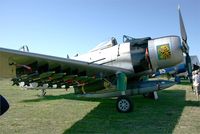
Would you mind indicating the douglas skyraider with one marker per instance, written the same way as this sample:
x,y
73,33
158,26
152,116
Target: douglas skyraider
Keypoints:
x,y
108,70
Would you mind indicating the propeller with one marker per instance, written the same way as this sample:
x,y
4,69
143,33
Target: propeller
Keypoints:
x,y
185,45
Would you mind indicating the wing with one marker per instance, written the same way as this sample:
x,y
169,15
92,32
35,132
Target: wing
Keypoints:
x,y
13,60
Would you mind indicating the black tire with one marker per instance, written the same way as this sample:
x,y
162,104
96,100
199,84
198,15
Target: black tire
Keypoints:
x,y
145,95
149,95
124,104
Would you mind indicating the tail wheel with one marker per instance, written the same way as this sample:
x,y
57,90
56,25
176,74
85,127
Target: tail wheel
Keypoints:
x,y
124,104
43,93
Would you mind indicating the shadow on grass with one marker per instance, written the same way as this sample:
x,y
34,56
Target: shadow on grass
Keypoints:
x,y
193,103
184,82
149,116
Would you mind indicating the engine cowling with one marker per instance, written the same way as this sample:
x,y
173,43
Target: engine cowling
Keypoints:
x,y
165,52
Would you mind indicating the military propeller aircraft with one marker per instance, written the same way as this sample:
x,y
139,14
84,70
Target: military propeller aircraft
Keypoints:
x,y
109,70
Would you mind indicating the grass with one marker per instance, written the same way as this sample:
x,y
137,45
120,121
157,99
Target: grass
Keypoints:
x,y
176,111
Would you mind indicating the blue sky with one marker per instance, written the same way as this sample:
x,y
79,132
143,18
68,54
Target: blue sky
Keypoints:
x,y
61,27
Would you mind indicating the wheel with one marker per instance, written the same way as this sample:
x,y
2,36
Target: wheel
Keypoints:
x,y
149,95
43,93
124,104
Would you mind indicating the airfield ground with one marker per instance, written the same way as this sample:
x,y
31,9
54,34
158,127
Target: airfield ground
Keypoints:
x,y
177,111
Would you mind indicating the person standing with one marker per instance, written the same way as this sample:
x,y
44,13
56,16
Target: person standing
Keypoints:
x,y
196,83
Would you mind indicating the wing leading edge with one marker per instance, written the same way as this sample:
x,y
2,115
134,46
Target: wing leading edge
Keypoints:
x,y
9,57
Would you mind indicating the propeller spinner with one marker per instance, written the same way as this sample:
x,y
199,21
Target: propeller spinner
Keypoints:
x,y
185,45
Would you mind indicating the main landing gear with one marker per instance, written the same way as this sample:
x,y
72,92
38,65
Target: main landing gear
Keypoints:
x,y
124,104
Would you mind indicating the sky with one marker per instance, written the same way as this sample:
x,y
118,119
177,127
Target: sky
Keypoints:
x,y
68,27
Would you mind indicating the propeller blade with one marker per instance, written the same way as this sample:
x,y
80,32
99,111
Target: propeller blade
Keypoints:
x,y
183,31
185,45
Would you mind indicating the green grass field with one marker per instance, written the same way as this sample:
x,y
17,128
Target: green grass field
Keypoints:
x,y
176,111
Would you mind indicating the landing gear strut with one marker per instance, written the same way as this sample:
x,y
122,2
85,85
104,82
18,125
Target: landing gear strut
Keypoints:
x,y
151,95
124,104
43,93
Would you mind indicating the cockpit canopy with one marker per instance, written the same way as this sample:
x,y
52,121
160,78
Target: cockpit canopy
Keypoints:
x,y
113,42
105,44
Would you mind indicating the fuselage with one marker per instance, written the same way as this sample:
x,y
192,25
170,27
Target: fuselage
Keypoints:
x,y
141,56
